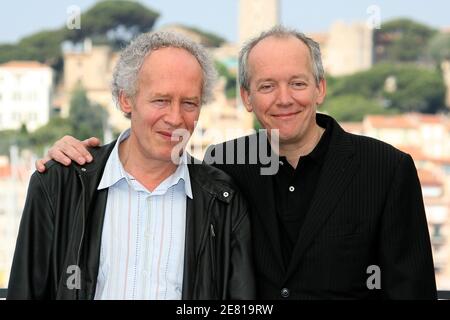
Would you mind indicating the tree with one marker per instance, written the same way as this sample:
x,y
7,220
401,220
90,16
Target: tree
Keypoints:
x,y
230,84
210,39
439,47
402,40
47,135
109,22
352,107
86,119
417,88
117,21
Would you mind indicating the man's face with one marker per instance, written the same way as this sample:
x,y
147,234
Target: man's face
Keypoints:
x,y
168,98
283,93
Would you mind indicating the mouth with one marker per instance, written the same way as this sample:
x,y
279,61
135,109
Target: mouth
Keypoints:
x,y
167,135
285,116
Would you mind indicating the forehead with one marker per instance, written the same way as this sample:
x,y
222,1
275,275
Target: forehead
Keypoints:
x,y
171,68
171,58
277,54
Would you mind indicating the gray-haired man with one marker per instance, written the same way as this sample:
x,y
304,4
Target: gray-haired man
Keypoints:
x,y
134,224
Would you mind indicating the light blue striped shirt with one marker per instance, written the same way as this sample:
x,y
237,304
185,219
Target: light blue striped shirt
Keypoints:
x,y
142,248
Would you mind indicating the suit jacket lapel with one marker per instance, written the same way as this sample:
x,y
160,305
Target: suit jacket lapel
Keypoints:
x,y
338,170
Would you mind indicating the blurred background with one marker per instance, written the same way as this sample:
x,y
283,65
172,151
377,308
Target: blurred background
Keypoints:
x,y
387,65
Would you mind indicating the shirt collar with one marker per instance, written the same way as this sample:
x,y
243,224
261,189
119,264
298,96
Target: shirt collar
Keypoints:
x,y
114,171
318,153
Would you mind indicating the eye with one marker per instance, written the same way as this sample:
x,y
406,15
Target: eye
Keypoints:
x,y
266,87
190,105
298,84
160,102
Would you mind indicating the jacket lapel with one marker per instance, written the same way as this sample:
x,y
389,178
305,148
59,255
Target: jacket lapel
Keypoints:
x,y
337,172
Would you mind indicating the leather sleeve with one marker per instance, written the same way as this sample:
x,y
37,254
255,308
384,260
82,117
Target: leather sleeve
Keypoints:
x,y
242,279
30,272
407,270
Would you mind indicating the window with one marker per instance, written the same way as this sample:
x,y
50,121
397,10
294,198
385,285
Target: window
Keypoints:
x,y
32,116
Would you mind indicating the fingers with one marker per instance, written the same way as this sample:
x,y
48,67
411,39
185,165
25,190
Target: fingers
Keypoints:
x,y
63,157
68,148
40,164
91,142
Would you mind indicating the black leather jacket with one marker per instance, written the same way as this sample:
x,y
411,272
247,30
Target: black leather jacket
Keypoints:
x,y
62,224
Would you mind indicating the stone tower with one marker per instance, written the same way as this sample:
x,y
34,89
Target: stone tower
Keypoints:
x,y
256,16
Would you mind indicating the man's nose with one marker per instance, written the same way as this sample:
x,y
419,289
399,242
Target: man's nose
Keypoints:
x,y
173,116
284,96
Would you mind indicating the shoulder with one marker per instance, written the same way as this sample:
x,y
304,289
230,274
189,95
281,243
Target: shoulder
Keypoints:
x,y
368,147
58,174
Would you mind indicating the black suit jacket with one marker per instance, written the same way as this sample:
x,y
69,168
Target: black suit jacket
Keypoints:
x,y
367,211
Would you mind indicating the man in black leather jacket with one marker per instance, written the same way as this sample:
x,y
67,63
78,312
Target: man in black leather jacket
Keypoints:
x,y
61,247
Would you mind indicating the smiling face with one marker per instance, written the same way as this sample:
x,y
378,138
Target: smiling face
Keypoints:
x,y
283,93
168,98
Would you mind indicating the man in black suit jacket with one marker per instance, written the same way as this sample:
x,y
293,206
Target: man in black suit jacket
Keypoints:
x,y
343,216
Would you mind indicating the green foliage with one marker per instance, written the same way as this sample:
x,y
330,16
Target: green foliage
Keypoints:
x,y
439,47
230,84
47,45
10,52
86,118
47,135
107,22
211,39
13,137
121,20
352,107
418,89
403,40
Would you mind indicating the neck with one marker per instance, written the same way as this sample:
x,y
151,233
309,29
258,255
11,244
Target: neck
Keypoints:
x,y
148,171
293,151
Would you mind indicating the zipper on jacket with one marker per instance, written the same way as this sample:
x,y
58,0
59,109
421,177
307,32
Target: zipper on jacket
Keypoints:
x,y
213,259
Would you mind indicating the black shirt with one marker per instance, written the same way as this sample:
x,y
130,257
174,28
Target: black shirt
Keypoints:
x,y
294,189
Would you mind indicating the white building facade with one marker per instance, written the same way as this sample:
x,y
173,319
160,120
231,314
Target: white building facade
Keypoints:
x,y
25,94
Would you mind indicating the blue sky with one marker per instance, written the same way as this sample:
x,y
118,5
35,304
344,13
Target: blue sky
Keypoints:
x,y
22,17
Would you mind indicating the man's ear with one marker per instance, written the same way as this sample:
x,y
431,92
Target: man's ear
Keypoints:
x,y
322,91
245,96
125,103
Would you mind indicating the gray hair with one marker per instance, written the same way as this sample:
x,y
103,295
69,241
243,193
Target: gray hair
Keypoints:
x,y
126,72
279,32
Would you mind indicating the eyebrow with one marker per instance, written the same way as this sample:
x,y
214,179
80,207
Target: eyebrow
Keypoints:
x,y
168,96
191,98
297,76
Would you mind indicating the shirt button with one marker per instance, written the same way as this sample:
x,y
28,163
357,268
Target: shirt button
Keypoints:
x,y
226,194
291,188
281,162
285,292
